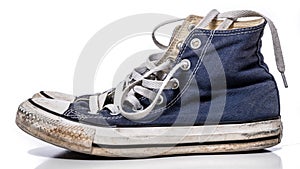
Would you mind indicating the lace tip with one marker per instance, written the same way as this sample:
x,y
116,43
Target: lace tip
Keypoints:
x,y
284,80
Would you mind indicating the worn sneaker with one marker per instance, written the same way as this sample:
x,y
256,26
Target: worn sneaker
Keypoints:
x,y
209,91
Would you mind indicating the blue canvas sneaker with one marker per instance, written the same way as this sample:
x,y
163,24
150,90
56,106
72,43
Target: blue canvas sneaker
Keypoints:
x,y
209,91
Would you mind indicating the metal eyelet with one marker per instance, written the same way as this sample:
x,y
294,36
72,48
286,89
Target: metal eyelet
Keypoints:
x,y
160,100
195,43
179,45
175,83
186,64
191,27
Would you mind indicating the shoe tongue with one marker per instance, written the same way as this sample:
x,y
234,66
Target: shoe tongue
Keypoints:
x,y
179,36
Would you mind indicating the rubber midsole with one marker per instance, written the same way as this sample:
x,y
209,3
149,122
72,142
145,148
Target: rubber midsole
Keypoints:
x,y
190,134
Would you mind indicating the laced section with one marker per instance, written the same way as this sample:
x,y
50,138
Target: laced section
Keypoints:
x,y
152,77
148,80
144,80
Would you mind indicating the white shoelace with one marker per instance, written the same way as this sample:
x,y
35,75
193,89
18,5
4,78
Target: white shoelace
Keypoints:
x,y
151,88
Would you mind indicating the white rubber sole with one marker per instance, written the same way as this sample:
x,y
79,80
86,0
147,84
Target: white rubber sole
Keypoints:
x,y
147,141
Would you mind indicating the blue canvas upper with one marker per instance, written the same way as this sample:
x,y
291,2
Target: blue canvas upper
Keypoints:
x,y
228,82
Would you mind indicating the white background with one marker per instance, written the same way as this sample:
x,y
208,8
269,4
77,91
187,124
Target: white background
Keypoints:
x,y
40,42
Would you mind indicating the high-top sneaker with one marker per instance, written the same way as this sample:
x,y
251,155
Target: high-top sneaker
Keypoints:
x,y
209,91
